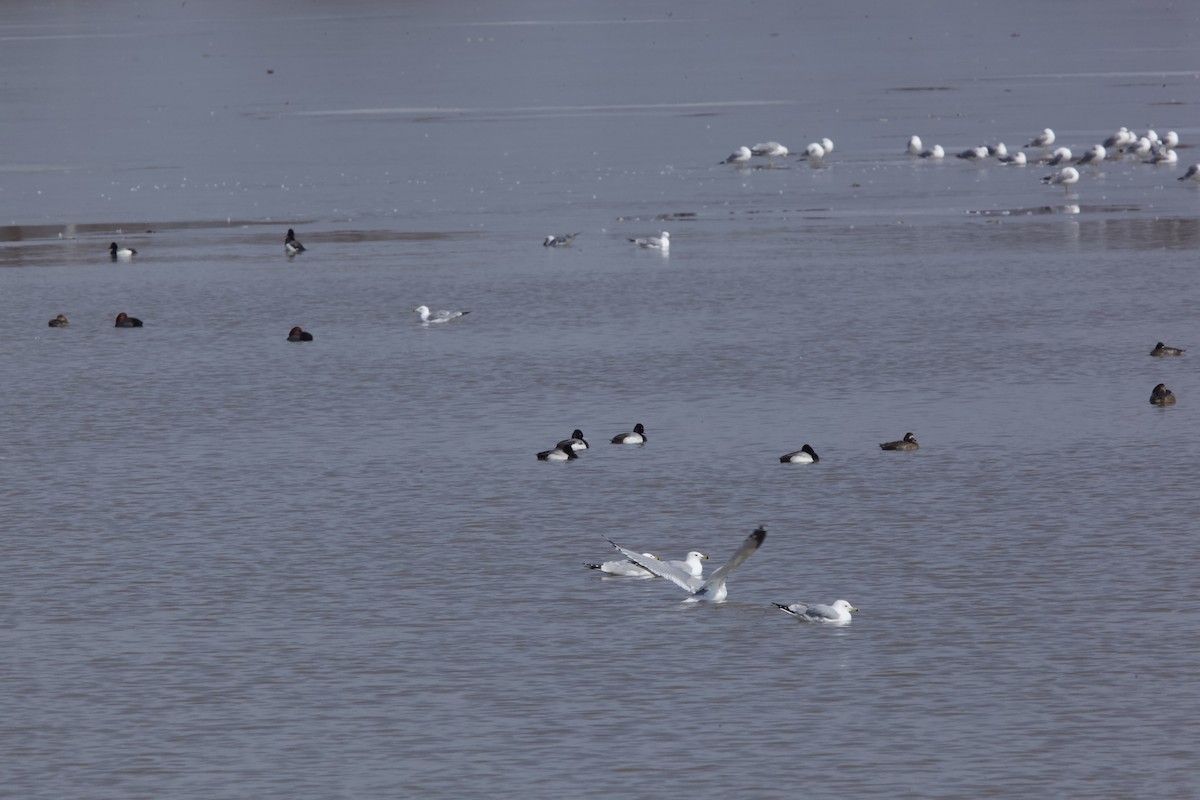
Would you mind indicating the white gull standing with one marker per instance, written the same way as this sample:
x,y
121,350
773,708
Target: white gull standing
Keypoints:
x,y
739,156
1094,155
914,146
1067,177
1043,139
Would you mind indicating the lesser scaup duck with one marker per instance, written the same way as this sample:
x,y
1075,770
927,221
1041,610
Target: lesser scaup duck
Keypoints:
x,y
660,242
836,614
429,317
59,322
805,455
909,442
291,245
560,241
298,334
576,442
126,321
1161,349
557,454
637,437
1162,396
713,588
120,252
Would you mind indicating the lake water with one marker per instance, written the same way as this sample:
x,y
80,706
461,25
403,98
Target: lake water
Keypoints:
x,y
237,567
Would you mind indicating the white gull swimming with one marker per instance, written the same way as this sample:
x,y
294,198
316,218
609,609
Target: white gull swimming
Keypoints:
x,y
660,242
836,614
429,317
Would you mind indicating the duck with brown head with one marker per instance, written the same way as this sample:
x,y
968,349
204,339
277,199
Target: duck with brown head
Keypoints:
x,y
298,334
126,321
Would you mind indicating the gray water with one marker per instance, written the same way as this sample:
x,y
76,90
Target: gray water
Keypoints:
x,y
237,567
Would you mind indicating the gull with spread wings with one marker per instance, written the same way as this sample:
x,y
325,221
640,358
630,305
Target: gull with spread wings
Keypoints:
x,y
711,589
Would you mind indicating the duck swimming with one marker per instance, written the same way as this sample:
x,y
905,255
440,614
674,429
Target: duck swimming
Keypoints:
x,y
805,455
1161,349
291,245
637,437
298,334
1162,396
121,252
559,453
59,322
126,321
576,442
909,442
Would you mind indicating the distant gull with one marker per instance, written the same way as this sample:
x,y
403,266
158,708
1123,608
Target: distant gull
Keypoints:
x,y
934,152
429,317
1192,174
660,242
637,437
1171,140
771,150
1141,147
1067,177
559,453
1165,156
290,245
827,144
909,442
1161,349
1094,155
713,588
1043,139
914,146
739,156
1059,156
1016,159
1162,396
560,241
123,253
1152,136
805,455
974,154
1122,137
836,614
813,152
1000,150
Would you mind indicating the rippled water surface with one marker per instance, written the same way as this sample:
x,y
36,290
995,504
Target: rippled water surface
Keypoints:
x,y
239,567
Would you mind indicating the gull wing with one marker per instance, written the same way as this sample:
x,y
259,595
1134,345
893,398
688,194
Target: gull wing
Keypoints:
x,y
662,569
717,579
